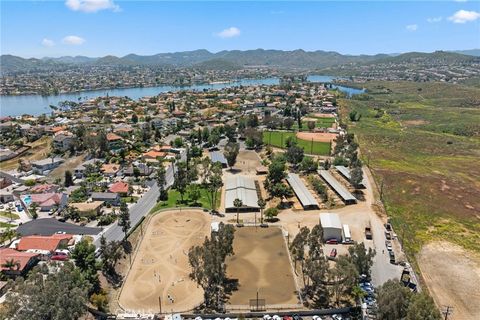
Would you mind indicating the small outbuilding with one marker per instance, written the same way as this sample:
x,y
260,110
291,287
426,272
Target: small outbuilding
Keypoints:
x,y
332,227
303,194
217,156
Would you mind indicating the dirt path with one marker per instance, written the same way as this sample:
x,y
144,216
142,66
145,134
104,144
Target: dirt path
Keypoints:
x,y
452,276
161,266
316,136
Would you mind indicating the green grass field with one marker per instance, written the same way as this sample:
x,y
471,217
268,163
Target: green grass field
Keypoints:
x,y
174,200
423,142
9,215
278,139
320,123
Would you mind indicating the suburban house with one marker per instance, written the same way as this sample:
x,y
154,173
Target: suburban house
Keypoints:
x,y
45,165
107,197
88,209
44,188
114,141
63,140
49,201
6,195
119,187
44,243
23,261
143,170
110,169
80,170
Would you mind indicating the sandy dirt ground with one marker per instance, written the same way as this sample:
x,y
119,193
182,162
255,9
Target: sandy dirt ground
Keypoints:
x,y
324,115
319,137
39,150
70,164
161,267
261,263
247,162
453,278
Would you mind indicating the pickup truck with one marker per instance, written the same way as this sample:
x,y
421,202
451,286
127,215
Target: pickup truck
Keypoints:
x,y
368,233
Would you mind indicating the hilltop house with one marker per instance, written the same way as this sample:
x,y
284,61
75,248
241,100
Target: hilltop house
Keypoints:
x,y
63,140
49,201
23,261
44,166
119,187
115,142
107,197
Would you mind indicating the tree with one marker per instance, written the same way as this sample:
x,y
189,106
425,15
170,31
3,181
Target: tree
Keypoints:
x,y
161,183
315,242
308,165
297,248
134,118
68,179
194,193
60,295
343,278
84,255
181,180
178,142
11,264
311,125
231,152
281,191
356,177
33,210
208,265
422,307
124,219
261,204
294,155
271,213
392,300
276,172
110,253
237,203
288,123
361,258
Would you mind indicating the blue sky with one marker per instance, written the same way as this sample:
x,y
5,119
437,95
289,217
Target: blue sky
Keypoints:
x,y
100,27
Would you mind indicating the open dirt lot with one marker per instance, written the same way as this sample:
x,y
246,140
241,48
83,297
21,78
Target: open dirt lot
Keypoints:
x,y
453,278
318,137
261,263
247,161
161,268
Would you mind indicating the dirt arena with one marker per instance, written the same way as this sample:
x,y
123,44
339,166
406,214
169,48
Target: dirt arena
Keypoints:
x,y
316,136
247,161
261,262
161,265
453,278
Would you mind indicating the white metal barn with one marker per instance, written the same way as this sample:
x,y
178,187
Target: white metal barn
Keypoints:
x,y
332,227
243,188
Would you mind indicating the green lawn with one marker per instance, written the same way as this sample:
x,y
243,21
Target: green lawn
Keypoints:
x,y
9,215
320,123
174,200
278,138
130,199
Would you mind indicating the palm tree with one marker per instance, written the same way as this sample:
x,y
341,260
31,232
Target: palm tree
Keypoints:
x,y
11,264
238,204
261,203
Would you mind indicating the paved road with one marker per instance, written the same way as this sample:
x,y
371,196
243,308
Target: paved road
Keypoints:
x,y
137,211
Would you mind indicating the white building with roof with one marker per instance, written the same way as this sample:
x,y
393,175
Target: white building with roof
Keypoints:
x,y
332,226
243,188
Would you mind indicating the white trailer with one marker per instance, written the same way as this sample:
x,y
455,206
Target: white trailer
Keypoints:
x,y
347,237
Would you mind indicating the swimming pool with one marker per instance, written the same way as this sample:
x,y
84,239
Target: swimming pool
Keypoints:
x,y
27,200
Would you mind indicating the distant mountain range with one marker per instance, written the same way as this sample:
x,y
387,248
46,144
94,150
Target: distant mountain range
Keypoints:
x,y
233,59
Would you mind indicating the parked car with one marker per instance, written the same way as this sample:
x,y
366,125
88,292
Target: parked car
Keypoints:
x,y
287,318
267,317
60,255
368,233
388,226
392,256
333,253
388,244
296,317
337,317
316,318
332,241
388,235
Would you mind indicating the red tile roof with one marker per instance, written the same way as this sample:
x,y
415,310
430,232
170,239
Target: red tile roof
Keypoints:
x,y
113,137
49,243
119,187
22,258
46,199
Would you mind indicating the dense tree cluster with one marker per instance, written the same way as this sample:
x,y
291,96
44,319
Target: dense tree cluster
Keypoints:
x,y
209,267
346,154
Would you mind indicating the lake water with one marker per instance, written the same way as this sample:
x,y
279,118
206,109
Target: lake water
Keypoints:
x,y
37,104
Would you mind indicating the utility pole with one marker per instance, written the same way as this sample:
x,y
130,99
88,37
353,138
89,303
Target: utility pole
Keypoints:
x,y
448,312
160,304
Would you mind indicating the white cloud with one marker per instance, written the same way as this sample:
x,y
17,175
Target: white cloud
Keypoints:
x,y
90,6
73,40
47,42
463,16
434,19
229,33
412,27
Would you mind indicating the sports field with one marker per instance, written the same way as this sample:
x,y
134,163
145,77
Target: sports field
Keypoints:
x,y
261,263
161,268
319,122
278,139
